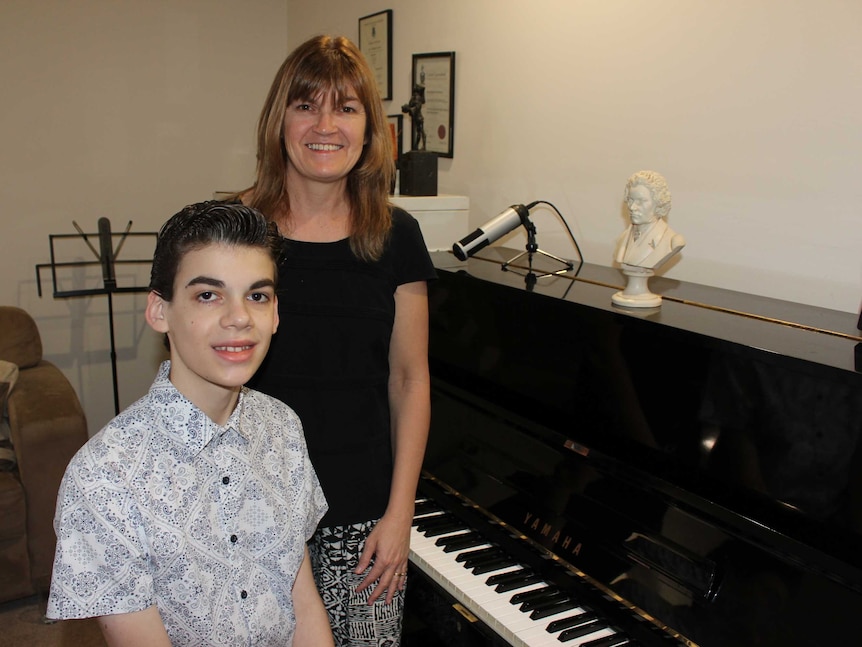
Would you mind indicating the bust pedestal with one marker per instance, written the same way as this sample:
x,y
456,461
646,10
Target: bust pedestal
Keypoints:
x,y
637,294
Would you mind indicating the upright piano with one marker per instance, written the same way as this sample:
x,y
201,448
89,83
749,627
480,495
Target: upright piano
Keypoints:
x,y
684,475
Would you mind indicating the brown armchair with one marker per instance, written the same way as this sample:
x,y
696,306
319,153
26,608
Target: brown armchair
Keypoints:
x,y
47,426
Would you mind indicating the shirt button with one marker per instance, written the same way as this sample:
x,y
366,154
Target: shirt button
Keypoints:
x,y
233,539
243,594
225,479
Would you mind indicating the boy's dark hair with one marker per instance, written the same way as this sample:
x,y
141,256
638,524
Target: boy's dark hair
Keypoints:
x,y
208,223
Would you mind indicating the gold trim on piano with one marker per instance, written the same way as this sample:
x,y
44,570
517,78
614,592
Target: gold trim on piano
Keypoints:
x,y
706,306
469,617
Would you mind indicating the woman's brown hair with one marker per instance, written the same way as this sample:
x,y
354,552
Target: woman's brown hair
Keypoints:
x,y
329,64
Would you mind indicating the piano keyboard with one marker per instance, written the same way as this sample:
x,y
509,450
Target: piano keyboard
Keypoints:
x,y
522,607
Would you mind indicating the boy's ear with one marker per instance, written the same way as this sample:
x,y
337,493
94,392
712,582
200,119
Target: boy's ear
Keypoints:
x,y
275,315
155,312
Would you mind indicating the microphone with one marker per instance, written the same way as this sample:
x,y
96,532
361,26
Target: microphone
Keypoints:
x,y
492,230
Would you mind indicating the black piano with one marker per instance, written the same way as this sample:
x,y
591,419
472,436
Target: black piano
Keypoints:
x,y
683,475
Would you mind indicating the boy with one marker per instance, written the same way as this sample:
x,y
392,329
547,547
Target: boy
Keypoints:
x,y
184,521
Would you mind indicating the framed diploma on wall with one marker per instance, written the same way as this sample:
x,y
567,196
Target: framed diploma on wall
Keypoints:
x,y
396,128
375,43
436,72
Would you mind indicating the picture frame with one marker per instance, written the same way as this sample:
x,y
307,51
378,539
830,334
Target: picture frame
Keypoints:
x,y
436,71
396,130
375,43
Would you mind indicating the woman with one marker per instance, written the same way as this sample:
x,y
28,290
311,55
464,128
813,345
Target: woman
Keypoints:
x,y
351,356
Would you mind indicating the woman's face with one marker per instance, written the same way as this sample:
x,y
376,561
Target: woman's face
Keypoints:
x,y
323,140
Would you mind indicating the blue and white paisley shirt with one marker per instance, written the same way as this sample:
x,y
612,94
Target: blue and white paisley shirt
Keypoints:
x,y
165,507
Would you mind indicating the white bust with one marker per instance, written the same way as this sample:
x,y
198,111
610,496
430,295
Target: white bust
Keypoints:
x,y
648,242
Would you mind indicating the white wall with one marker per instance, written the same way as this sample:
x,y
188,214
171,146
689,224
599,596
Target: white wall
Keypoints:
x,y
125,110
130,110
751,110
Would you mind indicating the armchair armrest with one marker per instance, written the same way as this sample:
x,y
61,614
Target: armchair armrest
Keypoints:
x,y
47,427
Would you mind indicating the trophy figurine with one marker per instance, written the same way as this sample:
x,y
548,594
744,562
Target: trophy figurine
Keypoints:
x,y
648,242
418,166
414,109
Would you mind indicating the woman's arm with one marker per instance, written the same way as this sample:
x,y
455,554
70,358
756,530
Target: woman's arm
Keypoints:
x,y
410,412
312,623
138,629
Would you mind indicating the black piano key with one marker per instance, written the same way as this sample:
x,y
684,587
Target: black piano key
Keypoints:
x,y
553,609
444,529
609,641
434,522
504,578
580,632
460,542
421,520
434,519
536,603
482,557
521,577
572,621
455,548
518,598
481,553
425,507
470,554
513,585
493,565
470,535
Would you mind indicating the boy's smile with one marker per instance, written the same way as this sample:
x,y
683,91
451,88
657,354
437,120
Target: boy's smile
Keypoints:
x,y
219,322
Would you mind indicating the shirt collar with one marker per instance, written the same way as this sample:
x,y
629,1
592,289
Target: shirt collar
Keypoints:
x,y
185,421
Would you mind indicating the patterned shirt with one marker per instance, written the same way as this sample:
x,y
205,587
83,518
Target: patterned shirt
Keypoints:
x,y
165,507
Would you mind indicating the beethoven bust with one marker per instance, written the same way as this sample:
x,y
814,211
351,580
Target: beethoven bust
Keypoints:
x,y
648,241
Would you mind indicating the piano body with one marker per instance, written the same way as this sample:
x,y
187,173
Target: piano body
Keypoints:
x,y
690,474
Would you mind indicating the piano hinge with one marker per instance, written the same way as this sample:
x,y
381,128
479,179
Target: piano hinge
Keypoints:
x,y
469,617
576,447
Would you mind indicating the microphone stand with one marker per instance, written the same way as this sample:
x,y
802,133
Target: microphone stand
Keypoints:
x,y
533,248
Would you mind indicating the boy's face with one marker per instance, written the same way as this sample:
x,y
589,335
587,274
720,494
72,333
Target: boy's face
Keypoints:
x,y
221,319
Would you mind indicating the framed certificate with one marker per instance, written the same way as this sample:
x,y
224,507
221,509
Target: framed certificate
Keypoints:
x,y
436,72
375,43
396,130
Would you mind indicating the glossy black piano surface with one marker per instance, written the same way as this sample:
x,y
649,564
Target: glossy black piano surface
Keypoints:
x,y
701,460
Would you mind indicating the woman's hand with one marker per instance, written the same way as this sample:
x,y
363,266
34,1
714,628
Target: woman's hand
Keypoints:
x,y
388,546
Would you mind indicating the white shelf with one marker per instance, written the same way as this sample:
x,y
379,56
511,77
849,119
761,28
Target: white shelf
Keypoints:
x,y
443,219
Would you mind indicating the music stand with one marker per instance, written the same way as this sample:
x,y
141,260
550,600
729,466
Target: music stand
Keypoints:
x,y
106,256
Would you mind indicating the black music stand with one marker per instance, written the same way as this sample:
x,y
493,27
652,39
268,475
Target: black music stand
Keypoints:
x,y
106,256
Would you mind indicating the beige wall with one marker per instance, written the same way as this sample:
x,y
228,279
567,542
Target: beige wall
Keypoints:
x,y
752,110
126,110
129,110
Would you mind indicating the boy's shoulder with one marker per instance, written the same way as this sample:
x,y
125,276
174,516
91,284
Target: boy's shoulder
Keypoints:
x,y
260,401
270,420
128,429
